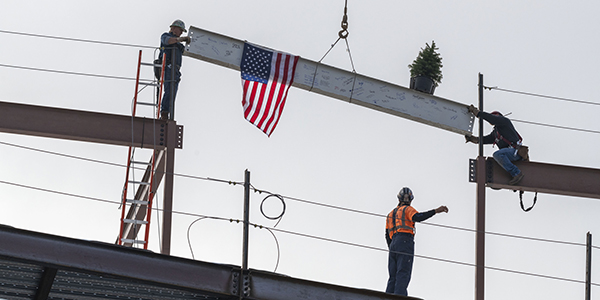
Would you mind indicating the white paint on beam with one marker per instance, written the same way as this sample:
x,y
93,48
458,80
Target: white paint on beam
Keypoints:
x,y
344,85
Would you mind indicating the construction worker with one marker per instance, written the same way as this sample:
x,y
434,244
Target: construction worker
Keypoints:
x,y
506,137
170,45
399,234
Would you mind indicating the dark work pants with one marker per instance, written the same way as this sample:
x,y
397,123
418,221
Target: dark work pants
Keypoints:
x,y
400,263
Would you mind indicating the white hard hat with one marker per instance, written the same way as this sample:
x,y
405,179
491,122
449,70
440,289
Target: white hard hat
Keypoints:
x,y
180,24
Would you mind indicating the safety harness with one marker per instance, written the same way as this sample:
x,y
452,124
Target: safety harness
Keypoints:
x,y
403,225
515,145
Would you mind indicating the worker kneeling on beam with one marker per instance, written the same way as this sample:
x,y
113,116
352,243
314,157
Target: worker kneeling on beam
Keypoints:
x,y
399,234
508,140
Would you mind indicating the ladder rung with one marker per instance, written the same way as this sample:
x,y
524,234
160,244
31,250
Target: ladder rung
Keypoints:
x,y
149,83
139,182
149,64
143,202
146,103
141,163
138,222
133,241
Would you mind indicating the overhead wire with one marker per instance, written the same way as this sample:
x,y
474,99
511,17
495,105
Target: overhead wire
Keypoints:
x,y
230,182
291,198
431,258
67,72
540,95
76,40
556,126
343,34
307,235
548,97
117,164
426,223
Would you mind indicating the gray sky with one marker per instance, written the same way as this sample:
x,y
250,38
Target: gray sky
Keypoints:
x,y
323,150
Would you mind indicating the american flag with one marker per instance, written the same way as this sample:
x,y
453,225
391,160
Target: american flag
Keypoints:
x,y
266,78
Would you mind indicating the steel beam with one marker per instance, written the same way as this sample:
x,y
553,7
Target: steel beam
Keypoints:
x,y
271,286
108,259
84,126
546,178
343,85
144,266
45,284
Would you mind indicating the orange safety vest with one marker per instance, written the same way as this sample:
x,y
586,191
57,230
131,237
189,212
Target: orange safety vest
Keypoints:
x,y
400,220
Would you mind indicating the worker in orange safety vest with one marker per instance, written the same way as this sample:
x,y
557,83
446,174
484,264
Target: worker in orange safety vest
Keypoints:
x,y
399,234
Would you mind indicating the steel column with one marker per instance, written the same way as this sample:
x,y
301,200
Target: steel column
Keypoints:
x,y
480,236
246,219
168,188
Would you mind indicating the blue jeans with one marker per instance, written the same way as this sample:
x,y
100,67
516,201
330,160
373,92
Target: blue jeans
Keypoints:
x,y
400,263
168,86
505,157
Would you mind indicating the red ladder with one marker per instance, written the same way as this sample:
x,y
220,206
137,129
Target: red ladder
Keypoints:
x,y
140,206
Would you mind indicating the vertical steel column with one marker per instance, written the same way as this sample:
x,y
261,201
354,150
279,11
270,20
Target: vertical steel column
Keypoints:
x,y
168,188
246,219
588,267
480,238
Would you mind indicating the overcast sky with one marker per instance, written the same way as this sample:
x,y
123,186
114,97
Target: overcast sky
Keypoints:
x,y
324,150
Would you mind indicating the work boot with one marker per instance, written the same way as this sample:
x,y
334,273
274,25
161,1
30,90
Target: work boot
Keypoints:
x,y
164,115
516,179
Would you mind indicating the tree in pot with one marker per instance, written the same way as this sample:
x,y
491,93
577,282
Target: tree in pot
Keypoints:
x,y
426,69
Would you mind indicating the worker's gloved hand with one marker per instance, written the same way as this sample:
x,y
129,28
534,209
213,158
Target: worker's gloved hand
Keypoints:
x,y
472,109
184,39
441,209
472,139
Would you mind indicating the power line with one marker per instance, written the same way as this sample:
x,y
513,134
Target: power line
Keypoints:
x,y
66,72
76,40
542,96
428,257
298,199
556,126
427,223
118,165
306,235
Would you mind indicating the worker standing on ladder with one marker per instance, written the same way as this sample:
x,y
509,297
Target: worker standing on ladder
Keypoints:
x,y
508,140
399,234
170,45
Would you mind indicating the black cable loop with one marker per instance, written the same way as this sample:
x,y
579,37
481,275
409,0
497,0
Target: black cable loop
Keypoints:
x,y
280,216
521,201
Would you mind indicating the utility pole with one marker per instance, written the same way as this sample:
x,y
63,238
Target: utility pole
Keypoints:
x,y
588,267
244,286
480,238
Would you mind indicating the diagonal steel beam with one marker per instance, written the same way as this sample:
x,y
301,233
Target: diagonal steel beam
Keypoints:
x,y
138,211
343,85
84,126
46,283
544,178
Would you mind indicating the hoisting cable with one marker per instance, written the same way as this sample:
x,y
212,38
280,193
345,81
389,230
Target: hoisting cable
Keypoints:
x,y
521,201
342,34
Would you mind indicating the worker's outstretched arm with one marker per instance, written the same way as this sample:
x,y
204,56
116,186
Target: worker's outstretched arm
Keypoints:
x,y
420,217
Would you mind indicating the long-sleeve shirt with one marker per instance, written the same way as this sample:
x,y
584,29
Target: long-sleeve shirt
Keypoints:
x,y
503,126
418,217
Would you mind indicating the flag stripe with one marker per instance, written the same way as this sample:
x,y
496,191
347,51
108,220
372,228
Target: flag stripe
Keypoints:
x,y
281,93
